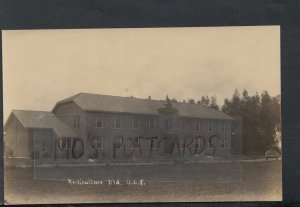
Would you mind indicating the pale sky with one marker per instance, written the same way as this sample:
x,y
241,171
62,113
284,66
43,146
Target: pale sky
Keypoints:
x,y
41,67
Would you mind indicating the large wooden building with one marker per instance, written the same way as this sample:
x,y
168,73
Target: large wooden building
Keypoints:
x,y
112,128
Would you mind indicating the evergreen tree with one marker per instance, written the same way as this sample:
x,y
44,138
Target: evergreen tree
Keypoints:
x,y
204,100
173,100
191,101
260,115
213,103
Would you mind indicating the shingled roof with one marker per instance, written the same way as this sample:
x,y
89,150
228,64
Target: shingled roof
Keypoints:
x,y
43,120
107,103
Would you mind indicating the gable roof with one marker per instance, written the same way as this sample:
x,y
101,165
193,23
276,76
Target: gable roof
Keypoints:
x,y
106,103
43,120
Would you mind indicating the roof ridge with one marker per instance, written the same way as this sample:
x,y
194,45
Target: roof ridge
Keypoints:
x,y
180,102
29,119
13,110
93,101
70,98
97,94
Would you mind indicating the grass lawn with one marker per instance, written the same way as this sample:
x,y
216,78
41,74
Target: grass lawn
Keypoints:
x,y
245,181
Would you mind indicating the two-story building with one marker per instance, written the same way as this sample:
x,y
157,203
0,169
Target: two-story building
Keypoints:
x,y
107,128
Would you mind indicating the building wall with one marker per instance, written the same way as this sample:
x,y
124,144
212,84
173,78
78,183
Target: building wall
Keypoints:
x,y
168,142
176,135
17,139
67,113
44,141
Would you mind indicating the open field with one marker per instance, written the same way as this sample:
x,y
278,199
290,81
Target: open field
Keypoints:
x,y
259,181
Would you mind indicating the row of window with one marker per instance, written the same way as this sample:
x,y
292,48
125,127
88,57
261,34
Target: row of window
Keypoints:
x,y
98,143
118,123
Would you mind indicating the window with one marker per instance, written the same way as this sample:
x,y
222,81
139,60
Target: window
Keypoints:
x,y
135,143
198,126
183,125
118,123
65,143
222,126
152,144
210,143
99,142
198,144
43,146
151,124
168,123
118,141
98,123
76,121
210,126
182,144
222,143
135,124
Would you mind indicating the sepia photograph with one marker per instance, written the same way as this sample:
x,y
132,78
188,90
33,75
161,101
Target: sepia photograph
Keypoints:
x,y
139,115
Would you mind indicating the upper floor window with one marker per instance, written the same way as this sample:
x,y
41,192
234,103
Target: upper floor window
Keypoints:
x,y
76,121
168,123
151,124
135,124
99,142
210,126
98,122
198,126
183,125
118,123
222,126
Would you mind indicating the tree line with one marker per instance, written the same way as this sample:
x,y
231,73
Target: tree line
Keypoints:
x,y
260,114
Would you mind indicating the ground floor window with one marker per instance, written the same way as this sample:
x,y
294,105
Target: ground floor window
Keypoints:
x,y
135,143
99,142
199,143
118,141
152,144
210,143
223,143
182,143
65,143
43,146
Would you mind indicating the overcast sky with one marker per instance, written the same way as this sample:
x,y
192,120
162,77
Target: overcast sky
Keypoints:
x,y
41,67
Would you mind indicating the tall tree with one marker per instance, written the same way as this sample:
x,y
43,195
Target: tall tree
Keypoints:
x,y
260,115
213,103
191,101
173,100
210,102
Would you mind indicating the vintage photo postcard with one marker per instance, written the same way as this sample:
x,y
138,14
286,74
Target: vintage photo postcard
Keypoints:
x,y
142,115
